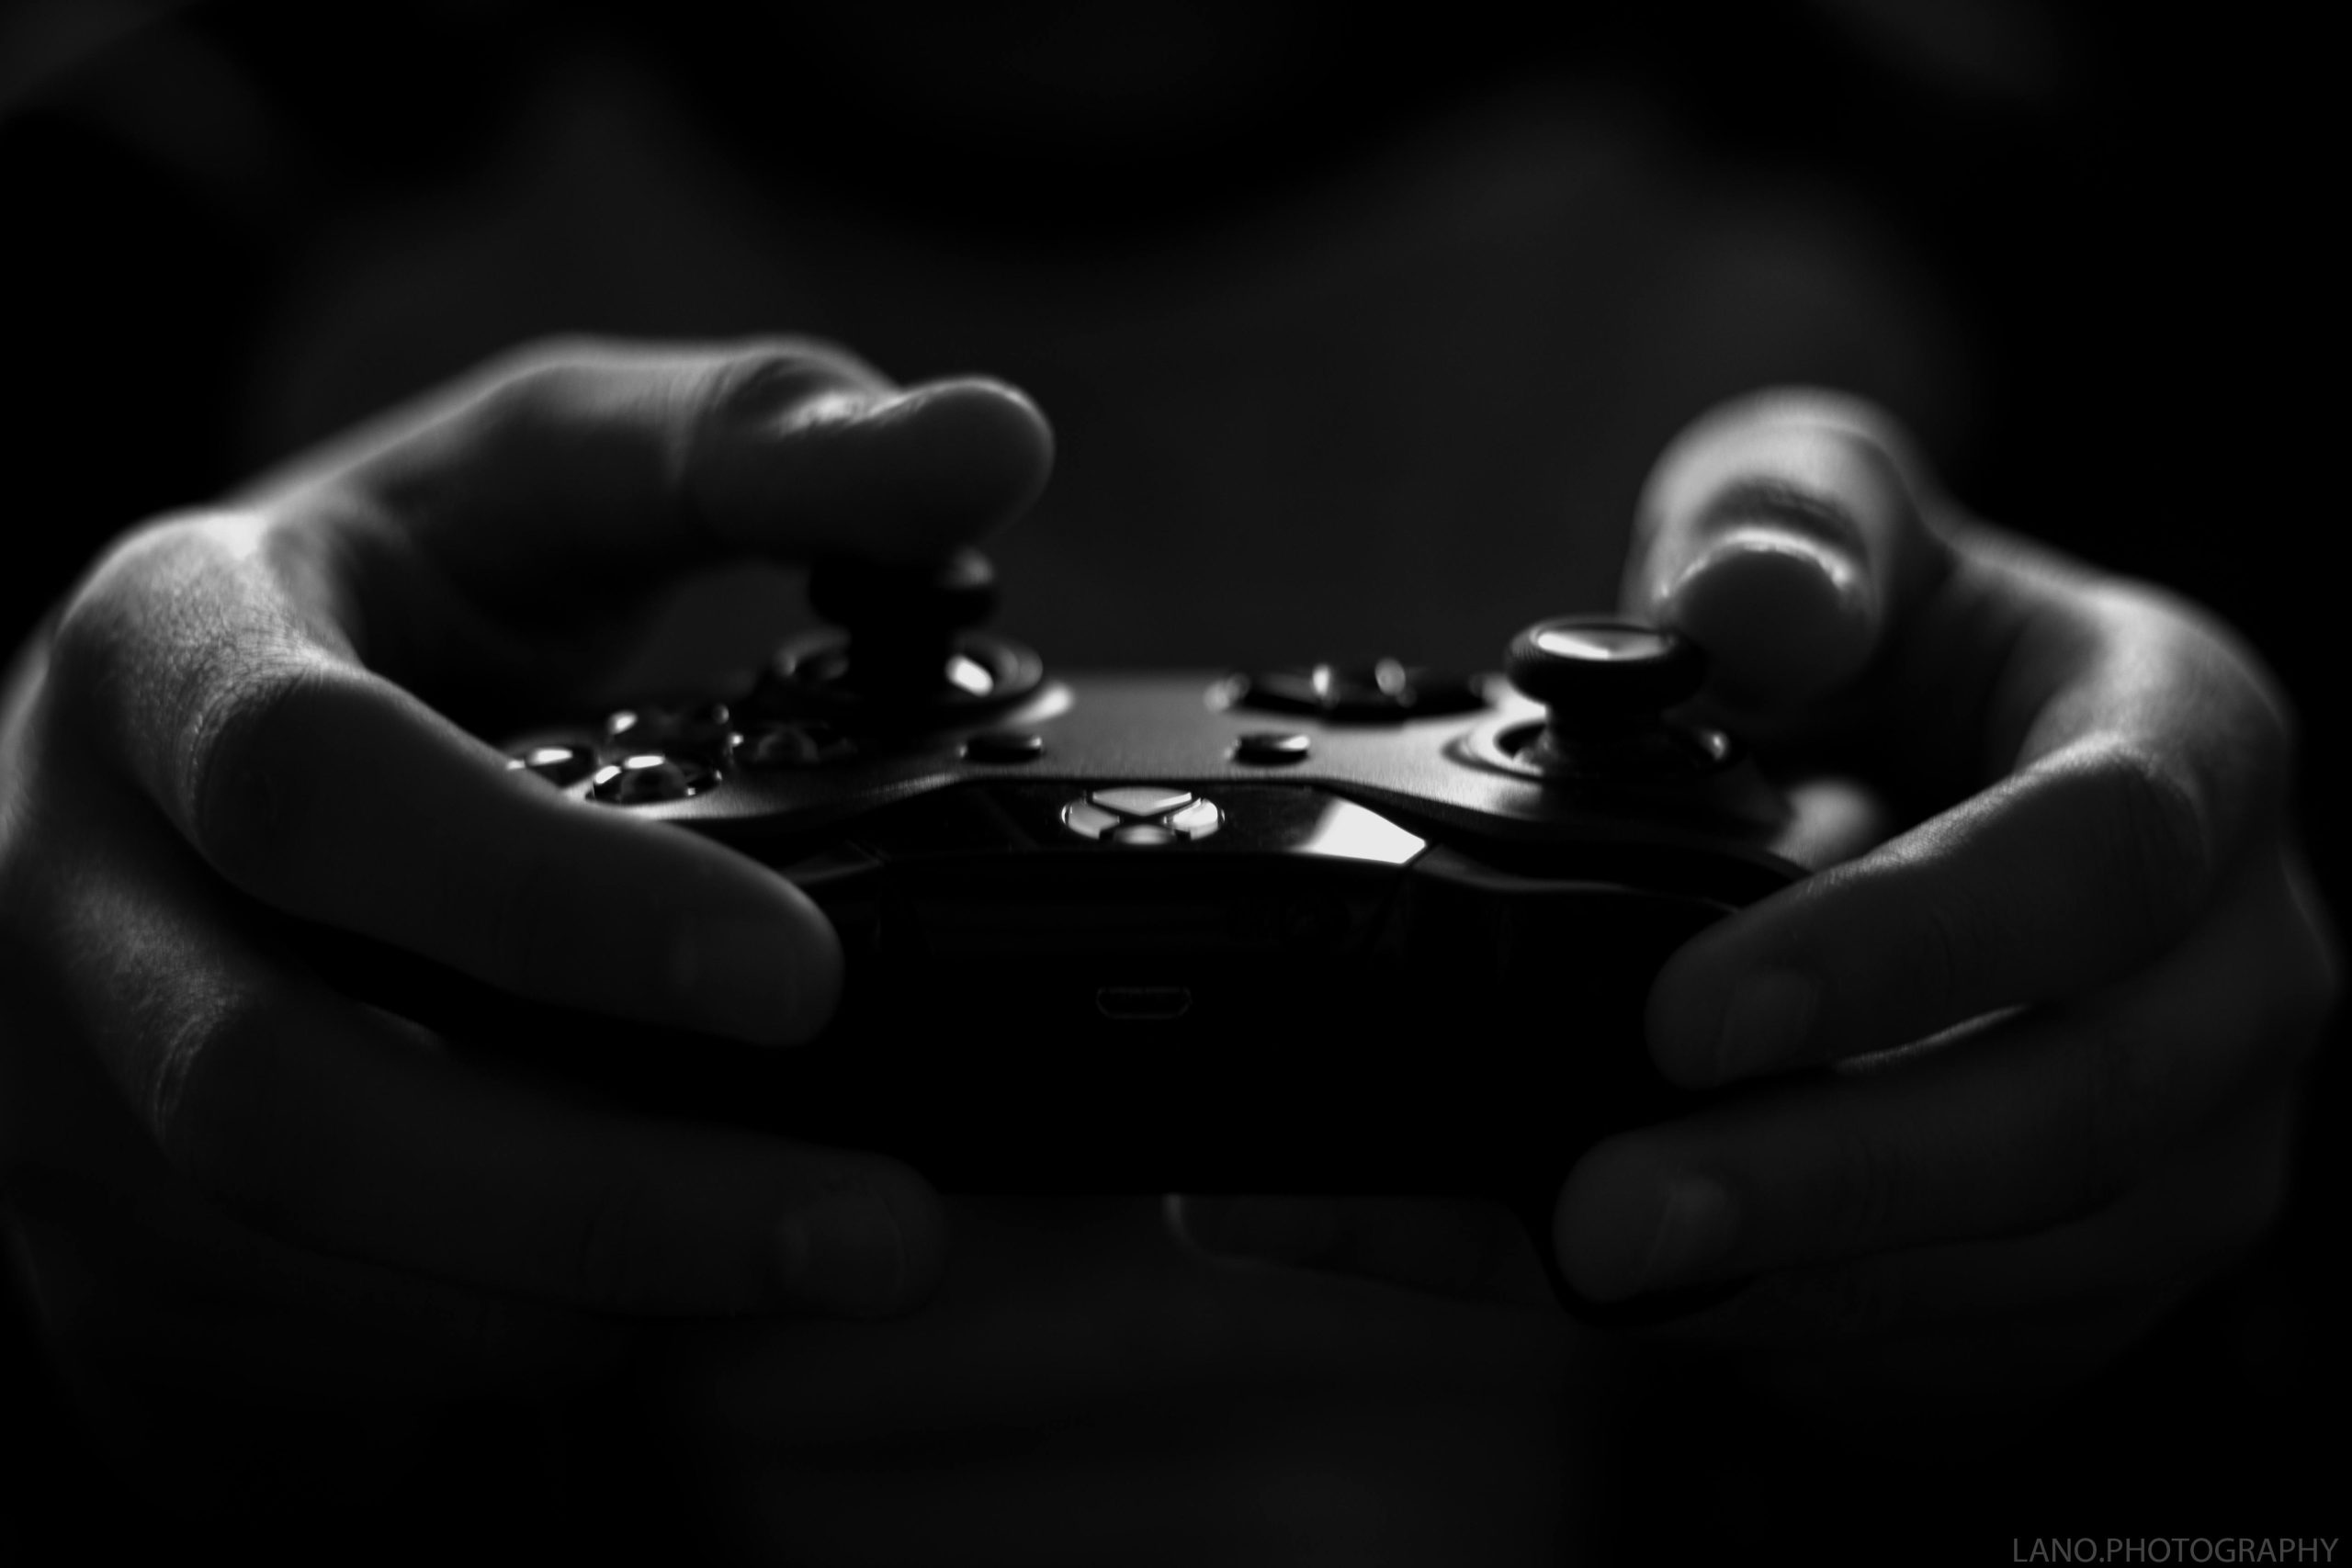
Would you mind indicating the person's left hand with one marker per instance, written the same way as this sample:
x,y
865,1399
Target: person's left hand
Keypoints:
x,y
2016,1078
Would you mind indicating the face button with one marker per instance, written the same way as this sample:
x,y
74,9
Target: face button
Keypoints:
x,y
770,745
1142,833
1089,820
1005,746
1197,821
1141,801
560,765
650,778
1272,748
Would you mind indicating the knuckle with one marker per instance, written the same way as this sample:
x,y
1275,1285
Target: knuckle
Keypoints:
x,y
524,387
549,362
2154,836
525,396
196,680
114,604
774,376
533,405
248,786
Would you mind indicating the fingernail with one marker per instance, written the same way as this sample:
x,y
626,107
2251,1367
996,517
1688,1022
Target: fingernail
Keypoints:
x,y
1695,1225
735,979
1764,1023
842,1253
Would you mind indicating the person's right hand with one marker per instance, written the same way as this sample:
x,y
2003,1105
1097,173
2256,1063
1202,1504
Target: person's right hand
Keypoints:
x,y
231,1181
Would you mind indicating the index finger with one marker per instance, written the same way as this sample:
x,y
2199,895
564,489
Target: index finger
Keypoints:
x,y
242,667
599,457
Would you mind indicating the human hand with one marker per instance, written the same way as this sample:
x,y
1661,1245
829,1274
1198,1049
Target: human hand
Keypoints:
x,y
2009,1082
231,1181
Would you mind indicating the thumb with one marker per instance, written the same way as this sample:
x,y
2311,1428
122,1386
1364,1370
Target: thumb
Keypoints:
x,y
608,462
1785,534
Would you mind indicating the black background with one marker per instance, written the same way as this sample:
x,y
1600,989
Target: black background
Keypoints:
x,y
2138,255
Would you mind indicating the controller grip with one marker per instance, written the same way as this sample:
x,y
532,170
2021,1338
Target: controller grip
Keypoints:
x,y
1373,1079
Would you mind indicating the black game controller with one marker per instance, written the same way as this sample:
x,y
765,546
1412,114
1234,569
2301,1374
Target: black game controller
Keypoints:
x,y
1340,929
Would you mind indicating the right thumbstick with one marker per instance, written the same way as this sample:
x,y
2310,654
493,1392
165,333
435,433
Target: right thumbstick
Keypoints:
x,y
1599,677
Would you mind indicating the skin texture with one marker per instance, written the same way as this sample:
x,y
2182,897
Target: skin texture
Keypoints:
x,y
2008,1083
2033,1076
234,709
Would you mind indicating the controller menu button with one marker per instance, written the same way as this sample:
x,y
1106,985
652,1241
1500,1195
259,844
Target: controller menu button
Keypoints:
x,y
1005,746
1197,821
650,778
560,765
1272,748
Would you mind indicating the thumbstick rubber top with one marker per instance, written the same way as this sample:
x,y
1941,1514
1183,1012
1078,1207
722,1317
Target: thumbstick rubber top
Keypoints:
x,y
1587,668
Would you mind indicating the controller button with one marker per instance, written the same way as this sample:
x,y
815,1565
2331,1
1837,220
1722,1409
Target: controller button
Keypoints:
x,y
1608,644
1272,748
768,745
700,730
1143,833
1005,746
1143,801
1089,820
649,778
560,765
1197,821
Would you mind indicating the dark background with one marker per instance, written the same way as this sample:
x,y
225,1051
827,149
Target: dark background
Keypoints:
x,y
2123,205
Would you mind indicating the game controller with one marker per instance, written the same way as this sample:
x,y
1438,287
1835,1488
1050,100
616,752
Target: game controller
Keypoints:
x,y
1361,929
